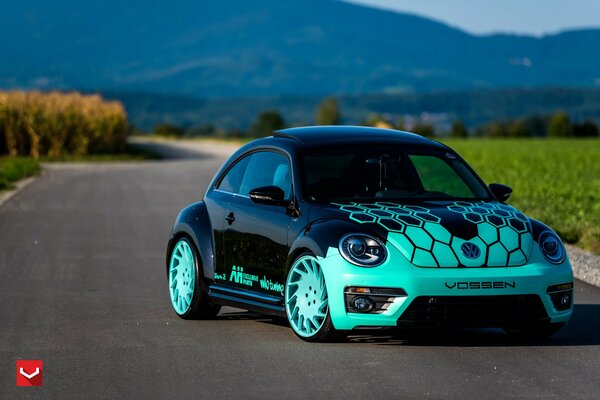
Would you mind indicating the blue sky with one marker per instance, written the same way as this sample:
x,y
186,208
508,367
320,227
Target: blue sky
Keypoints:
x,y
535,17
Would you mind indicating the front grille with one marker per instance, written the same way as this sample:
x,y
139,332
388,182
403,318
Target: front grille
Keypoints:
x,y
474,311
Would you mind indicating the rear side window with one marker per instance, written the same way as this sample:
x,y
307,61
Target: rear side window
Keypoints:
x,y
232,181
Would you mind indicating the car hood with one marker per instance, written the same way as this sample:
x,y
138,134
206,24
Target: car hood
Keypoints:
x,y
447,234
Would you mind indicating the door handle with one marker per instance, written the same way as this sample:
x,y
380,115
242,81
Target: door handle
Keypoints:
x,y
230,218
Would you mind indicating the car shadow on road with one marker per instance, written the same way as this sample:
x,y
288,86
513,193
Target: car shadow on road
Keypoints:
x,y
248,315
170,152
582,330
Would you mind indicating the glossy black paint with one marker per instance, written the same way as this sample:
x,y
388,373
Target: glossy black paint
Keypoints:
x,y
268,195
264,239
502,192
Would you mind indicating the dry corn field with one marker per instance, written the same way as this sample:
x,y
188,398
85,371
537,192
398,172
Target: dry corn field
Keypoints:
x,y
55,124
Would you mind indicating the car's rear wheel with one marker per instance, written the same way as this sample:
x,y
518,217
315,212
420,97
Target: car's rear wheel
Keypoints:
x,y
536,331
306,301
187,289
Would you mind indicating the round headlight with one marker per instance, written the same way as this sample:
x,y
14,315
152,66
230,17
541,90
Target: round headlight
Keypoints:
x,y
362,250
551,247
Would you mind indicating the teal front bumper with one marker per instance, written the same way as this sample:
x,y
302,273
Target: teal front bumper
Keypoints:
x,y
533,278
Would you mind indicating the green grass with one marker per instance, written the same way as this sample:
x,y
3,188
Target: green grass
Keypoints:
x,y
554,181
132,153
13,169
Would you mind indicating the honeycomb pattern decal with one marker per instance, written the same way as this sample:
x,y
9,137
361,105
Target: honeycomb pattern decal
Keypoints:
x,y
502,232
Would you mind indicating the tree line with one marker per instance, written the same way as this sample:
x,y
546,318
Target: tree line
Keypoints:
x,y
328,112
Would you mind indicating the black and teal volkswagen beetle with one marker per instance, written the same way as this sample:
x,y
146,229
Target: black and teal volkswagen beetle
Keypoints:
x,y
339,228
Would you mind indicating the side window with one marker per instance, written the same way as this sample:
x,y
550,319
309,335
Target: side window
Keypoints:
x,y
268,168
233,179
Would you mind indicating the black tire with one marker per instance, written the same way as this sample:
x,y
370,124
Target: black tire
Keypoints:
x,y
327,332
536,331
201,306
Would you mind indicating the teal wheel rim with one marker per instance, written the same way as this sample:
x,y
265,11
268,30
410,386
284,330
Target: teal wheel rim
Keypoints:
x,y
182,277
306,303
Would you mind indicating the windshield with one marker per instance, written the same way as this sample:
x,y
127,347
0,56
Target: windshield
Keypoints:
x,y
379,174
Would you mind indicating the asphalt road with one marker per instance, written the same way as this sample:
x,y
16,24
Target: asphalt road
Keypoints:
x,y
82,287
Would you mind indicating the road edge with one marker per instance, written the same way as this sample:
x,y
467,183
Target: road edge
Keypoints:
x,y
19,185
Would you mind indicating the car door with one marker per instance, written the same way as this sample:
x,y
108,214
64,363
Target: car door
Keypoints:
x,y
255,236
217,201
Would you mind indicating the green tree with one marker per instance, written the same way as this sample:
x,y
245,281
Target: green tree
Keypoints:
x,y
399,124
560,125
203,130
424,129
537,125
459,130
586,129
496,130
518,129
267,122
168,130
328,112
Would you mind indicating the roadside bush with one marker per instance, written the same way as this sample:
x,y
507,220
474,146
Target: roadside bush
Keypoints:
x,y
168,130
55,124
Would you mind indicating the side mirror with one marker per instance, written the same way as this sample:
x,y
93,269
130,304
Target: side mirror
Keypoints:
x,y
270,195
502,192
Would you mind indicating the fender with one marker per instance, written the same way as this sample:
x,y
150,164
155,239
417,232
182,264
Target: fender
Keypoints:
x,y
537,227
193,221
322,234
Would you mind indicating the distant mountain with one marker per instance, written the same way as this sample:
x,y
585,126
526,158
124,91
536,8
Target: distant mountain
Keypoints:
x,y
215,48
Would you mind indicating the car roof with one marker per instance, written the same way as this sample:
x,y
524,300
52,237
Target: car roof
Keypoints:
x,y
323,135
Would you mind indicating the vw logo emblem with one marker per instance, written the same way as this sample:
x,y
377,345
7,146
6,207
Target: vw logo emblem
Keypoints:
x,y
470,250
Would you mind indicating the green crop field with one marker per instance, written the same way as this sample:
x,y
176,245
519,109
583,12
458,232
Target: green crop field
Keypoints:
x,y
555,181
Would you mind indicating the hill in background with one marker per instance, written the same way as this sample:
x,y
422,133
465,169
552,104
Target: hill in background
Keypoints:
x,y
216,49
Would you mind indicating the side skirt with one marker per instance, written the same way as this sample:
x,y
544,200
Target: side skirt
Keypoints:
x,y
247,300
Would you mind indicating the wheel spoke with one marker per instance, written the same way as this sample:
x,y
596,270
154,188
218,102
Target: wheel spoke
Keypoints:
x,y
323,304
295,313
302,274
292,298
308,323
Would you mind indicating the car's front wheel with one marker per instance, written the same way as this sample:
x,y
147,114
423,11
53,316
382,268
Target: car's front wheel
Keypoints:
x,y
187,289
306,301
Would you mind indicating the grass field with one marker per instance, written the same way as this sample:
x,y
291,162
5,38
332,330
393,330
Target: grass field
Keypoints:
x,y
14,168
555,181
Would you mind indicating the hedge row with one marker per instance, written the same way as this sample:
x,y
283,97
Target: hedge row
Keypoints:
x,y
55,124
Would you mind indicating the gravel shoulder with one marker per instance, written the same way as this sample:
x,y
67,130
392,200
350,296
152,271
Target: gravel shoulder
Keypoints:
x,y
586,265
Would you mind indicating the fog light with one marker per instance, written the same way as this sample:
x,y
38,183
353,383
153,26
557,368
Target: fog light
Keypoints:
x,y
562,300
362,304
